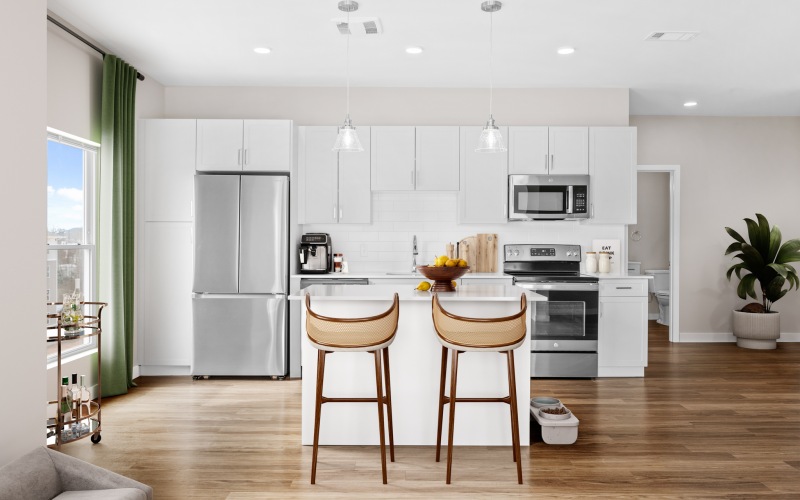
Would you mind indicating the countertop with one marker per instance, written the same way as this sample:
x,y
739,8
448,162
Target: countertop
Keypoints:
x,y
618,276
481,293
393,275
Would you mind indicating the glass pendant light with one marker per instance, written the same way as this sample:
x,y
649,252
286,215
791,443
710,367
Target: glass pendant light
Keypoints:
x,y
491,140
347,139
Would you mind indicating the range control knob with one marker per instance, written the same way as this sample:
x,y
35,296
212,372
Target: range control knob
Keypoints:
x,y
555,344
516,253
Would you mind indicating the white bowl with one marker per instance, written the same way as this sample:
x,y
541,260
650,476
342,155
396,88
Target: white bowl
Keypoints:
x,y
545,402
552,416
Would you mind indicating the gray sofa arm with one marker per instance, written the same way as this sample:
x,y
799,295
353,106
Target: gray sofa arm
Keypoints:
x,y
77,475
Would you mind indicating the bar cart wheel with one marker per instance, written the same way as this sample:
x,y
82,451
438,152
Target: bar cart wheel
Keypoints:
x,y
96,438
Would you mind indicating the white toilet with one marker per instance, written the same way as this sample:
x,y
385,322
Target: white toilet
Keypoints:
x,y
659,286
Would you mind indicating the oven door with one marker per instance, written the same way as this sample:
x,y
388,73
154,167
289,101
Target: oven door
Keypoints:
x,y
567,321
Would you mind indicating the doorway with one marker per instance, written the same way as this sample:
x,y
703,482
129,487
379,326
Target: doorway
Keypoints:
x,y
647,236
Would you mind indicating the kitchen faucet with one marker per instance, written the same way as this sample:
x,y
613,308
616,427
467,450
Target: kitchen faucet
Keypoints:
x,y
414,254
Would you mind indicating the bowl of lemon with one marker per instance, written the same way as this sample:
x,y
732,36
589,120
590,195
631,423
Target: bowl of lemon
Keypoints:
x,y
444,272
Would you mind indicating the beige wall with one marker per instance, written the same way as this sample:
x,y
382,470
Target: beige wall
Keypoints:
x,y
402,106
22,139
652,217
731,168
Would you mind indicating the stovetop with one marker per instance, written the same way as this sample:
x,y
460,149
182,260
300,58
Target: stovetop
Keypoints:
x,y
543,263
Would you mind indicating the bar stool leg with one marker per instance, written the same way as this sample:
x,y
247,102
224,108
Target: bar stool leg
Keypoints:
x,y
443,372
388,400
379,384
317,412
512,390
453,380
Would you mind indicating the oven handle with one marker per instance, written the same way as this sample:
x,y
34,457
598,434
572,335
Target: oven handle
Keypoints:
x,y
567,287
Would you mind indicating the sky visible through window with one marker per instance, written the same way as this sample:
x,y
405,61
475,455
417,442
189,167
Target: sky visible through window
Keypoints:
x,y
64,187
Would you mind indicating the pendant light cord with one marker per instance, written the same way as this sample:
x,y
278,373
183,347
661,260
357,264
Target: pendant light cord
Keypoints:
x,y
491,53
347,68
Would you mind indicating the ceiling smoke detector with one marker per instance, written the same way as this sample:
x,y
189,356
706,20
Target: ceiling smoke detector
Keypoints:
x,y
359,26
672,36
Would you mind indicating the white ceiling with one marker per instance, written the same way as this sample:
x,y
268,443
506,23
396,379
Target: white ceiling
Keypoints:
x,y
744,62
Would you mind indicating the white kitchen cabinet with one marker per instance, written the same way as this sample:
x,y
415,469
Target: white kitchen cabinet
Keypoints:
x,y
612,167
392,158
622,329
165,298
334,187
483,197
548,150
166,168
244,145
437,158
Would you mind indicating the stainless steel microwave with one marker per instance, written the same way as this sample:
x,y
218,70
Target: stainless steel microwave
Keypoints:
x,y
548,197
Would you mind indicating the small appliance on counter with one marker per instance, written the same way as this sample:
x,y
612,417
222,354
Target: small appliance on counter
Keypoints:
x,y
315,253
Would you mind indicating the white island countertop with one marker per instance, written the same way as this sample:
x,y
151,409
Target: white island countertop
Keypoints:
x,y
473,293
380,275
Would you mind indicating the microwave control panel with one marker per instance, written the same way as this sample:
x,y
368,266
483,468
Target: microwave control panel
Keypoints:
x,y
579,195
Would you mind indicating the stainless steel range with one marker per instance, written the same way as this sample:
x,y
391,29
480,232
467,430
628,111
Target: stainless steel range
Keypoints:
x,y
564,331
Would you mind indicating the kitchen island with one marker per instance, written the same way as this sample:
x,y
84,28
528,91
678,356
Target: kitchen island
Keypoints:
x,y
415,358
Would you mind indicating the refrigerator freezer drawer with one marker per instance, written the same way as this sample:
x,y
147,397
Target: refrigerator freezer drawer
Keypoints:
x,y
240,335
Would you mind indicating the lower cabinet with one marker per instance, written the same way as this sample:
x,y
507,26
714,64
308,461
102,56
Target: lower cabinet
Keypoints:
x,y
622,332
165,299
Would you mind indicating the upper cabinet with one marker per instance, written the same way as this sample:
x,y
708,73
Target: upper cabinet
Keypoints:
x,y
483,197
438,159
166,165
612,167
548,150
392,158
334,187
244,145
406,158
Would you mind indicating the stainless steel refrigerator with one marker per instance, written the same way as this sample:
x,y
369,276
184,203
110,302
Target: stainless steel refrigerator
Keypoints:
x,y
239,300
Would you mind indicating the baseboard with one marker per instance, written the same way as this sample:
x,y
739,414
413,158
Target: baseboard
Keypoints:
x,y
620,371
728,337
164,371
135,372
652,316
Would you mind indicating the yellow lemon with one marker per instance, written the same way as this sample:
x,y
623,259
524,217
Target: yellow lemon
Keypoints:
x,y
454,283
441,260
462,263
451,263
423,286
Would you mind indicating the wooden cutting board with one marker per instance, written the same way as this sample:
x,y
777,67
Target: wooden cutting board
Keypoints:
x,y
487,253
468,250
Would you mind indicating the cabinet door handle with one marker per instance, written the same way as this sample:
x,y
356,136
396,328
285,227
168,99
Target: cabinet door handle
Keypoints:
x,y
546,163
552,162
245,157
592,210
340,214
624,287
334,211
239,157
413,179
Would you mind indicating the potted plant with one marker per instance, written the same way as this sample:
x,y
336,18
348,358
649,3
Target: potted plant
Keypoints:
x,y
764,261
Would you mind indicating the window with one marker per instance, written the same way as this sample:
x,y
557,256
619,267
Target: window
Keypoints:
x,y
70,224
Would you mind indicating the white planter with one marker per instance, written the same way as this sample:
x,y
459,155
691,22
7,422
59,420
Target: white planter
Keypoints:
x,y
757,331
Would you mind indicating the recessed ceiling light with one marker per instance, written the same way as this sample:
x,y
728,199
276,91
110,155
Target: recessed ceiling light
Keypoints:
x,y
262,50
414,50
690,104
565,51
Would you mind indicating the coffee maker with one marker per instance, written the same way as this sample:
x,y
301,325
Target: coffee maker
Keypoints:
x,y
315,253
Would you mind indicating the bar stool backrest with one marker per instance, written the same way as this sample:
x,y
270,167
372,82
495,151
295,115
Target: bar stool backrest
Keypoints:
x,y
479,334
352,334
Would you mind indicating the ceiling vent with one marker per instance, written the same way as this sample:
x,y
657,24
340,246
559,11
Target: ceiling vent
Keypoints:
x,y
359,26
672,36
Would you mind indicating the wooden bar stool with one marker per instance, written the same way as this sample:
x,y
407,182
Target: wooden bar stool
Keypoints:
x,y
372,334
460,334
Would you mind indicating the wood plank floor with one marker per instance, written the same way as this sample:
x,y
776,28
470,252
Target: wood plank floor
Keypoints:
x,y
709,420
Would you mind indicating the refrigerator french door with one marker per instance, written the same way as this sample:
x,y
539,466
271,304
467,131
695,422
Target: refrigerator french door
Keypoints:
x,y
239,304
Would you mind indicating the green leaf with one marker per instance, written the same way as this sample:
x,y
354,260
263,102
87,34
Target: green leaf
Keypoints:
x,y
779,268
774,243
789,252
753,232
737,268
763,234
736,236
734,247
752,257
745,287
774,289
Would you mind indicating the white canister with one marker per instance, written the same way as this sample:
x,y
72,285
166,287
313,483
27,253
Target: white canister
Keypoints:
x,y
604,262
591,262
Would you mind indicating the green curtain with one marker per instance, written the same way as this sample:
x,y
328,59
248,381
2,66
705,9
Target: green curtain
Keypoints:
x,y
115,224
